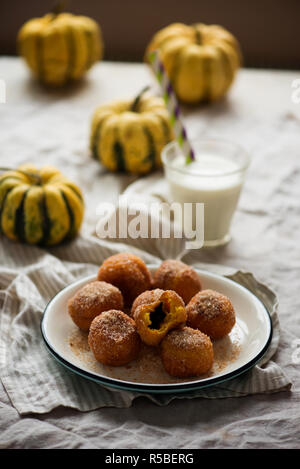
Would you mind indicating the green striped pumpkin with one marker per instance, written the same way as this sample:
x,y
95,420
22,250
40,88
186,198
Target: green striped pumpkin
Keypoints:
x,y
60,47
39,206
128,135
201,60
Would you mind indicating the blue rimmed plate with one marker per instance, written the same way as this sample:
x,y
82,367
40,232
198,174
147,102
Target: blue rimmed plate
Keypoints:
x,y
234,354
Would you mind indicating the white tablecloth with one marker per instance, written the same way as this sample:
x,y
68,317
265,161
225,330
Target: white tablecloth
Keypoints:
x,y
53,128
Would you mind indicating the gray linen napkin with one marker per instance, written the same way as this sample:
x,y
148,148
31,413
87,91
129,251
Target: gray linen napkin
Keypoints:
x,y
35,382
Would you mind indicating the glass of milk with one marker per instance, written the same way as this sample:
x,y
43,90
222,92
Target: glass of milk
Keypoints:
x,y
215,179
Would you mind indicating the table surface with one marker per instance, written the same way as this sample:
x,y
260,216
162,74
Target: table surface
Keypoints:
x,y
258,113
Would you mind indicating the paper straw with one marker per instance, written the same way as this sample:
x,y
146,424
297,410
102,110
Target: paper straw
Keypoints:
x,y
172,106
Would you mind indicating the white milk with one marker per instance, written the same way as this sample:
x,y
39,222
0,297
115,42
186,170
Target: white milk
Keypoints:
x,y
214,181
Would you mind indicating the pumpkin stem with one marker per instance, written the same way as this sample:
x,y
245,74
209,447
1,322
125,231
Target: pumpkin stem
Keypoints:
x,y
135,103
198,35
35,176
58,7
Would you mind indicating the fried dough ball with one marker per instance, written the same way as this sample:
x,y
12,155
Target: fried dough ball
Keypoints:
x,y
91,300
212,313
187,352
146,298
156,312
127,272
113,338
177,276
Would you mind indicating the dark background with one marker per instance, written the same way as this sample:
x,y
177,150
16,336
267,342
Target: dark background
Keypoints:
x,y
268,30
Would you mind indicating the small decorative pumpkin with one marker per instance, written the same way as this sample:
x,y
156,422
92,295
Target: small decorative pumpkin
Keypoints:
x,y
60,47
39,206
129,135
201,60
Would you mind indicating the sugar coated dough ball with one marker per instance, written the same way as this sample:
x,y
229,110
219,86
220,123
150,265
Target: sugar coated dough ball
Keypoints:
x,y
127,272
91,300
212,313
187,352
113,338
177,276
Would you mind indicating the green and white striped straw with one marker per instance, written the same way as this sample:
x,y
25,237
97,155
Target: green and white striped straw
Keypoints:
x,y
172,106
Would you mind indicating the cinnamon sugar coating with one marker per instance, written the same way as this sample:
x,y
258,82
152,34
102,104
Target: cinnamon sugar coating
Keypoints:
x,y
212,313
187,352
177,276
127,272
91,300
113,338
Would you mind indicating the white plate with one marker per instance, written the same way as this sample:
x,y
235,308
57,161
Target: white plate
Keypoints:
x,y
234,354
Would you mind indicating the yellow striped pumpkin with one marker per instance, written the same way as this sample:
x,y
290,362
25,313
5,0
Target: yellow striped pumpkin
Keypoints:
x,y
128,135
60,47
39,206
201,60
